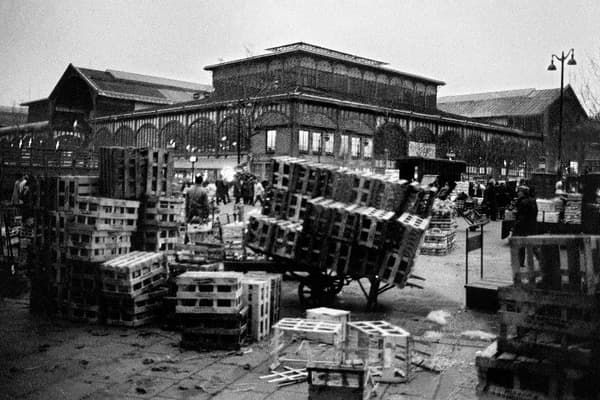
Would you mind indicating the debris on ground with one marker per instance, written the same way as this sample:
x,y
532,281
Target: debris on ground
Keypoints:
x,y
438,316
478,335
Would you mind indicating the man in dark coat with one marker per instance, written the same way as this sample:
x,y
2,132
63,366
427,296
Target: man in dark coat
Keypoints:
x,y
197,202
526,217
490,200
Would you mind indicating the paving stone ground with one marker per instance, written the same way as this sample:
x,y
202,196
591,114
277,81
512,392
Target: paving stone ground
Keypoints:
x,y
42,358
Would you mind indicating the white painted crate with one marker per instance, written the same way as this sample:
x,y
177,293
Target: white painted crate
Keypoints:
x,y
209,292
378,343
257,296
276,281
332,315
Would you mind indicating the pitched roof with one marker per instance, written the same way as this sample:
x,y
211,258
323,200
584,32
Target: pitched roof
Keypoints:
x,y
503,103
143,88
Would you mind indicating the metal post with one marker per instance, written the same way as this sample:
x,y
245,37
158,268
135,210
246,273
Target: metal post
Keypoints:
x,y
467,256
560,118
481,255
239,133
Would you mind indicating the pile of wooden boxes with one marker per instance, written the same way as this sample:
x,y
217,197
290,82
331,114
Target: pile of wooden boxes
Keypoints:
x,y
222,309
440,236
132,292
549,342
549,210
573,208
162,224
358,224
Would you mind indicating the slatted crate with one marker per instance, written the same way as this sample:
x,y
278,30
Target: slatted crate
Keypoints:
x,y
100,213
282,172
318,215
286,239
278,203
438,242
339,381
556,262
511,376
209,322
328,175
344,221
199,253
342,190
559,326
165,239
162,211
134,311
60,192
257,296
395,269
133,274
373,226
155,172
383,345
300,177
260,233
96,246
118,172
365,261
363,187
313,330
311,251
296,208
178,268
275,280
338,256
209,292
212,339
332,315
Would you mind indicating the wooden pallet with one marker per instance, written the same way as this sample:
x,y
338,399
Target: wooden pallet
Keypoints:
x,y
257,296
558,326
379,343
286,239
512,376
136,311
133,274
60,192
557,262
162,211
275,281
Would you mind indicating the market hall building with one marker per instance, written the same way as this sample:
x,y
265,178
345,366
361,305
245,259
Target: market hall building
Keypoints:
x,y
299,99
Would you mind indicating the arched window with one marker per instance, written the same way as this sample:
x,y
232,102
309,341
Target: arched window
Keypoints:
x,y
147,136
104,137
125,136
202,135
228,134
173,134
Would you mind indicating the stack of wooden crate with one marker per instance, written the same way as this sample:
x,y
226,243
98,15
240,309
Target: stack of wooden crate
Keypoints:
x,y
162,224
549,342
210,307
275,281
132,288
204,245
327,218
233,240
440,236
257,297
131,173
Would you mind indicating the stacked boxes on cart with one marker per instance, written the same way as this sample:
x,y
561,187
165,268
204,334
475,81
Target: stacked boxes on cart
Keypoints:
x,y
358,224
440,237
549,342
221,309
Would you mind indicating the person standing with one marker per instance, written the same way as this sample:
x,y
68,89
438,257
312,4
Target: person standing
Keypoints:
x,y
222,194
526,217
259,191
197,202
490,201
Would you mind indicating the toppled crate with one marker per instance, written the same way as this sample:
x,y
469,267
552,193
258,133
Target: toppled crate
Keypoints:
x,y
133,274
134,311
209,292
382,345
257,296
100,213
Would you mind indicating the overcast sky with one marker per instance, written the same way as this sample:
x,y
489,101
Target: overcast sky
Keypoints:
x,y
473,45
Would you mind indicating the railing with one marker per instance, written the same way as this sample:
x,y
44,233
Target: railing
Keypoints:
x,y
48,159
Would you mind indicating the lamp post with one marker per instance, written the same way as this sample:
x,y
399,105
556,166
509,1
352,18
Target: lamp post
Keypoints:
x,y
552,67
193,160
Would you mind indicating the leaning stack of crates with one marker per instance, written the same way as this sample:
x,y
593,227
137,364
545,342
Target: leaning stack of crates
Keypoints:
x,y
440,237
161,225
358,224
549,342
133,288
210,309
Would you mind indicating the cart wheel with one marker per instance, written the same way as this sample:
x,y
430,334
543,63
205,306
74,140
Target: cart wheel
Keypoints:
x,y
318,290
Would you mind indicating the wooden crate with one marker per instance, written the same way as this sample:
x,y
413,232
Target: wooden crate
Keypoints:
x,y
311,251
133,274
133,311
209,292
100,213
200,253
60,192
338,256
160,238
282,172
162,211
339,381
286,239
96,246
275,281
365,261
509,375
364,186
178,268
257,296
381,344
318,215
155,172
332,315
557,262
344,221
559,326
260,233
373,226
342,190
296,208
213,339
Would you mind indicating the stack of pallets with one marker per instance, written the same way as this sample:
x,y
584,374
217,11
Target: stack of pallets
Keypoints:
x,y
79,297
257,297
204,246
132,289
210,307
131,173
162,224
233,240
549,342
100,228
275,281
440,236
327,218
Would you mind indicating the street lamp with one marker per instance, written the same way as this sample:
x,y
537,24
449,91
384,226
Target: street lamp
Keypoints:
x,y
552,67
193,160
